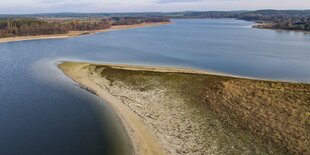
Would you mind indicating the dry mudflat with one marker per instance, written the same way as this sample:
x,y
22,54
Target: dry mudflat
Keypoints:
x,y
185,111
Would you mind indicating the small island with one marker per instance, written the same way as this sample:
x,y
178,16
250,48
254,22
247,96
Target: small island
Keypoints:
x,y
185,111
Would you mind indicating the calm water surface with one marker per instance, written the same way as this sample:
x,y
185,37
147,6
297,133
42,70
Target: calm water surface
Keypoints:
x,y
43,112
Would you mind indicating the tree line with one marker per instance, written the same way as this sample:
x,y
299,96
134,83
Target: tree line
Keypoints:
x,y
26,27
137,20
275,19
302,24
285,23
12,27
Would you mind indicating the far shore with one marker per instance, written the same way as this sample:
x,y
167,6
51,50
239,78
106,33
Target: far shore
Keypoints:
x,y
268,26
79,33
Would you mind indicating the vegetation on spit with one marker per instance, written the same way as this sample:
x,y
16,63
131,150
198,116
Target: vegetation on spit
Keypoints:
x,y
277,113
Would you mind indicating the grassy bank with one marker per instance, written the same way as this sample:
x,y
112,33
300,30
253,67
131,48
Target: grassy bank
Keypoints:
x,y
204,113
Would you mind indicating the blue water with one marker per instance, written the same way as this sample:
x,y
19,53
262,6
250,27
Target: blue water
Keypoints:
x,y
43,112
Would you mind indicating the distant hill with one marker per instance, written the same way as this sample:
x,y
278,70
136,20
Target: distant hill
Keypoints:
x,y
85,15
185,14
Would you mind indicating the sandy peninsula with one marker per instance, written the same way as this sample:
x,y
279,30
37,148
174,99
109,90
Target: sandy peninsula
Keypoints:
x,y
79,33
184,111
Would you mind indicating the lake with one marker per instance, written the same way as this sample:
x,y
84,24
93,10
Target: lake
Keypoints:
x,y
44,112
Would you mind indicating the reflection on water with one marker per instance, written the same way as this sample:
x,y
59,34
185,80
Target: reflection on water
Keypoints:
x,y
43,111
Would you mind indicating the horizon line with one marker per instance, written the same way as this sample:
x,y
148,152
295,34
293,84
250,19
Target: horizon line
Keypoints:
x,y
154,11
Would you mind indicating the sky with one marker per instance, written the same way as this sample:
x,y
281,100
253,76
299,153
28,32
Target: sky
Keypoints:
x,y
108,6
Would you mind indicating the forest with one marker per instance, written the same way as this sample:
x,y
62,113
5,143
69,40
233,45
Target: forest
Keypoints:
x,y
300,24
286,20
137,20
271,19
61,23
24,26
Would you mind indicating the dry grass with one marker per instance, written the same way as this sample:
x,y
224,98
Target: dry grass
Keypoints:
x,y
277,114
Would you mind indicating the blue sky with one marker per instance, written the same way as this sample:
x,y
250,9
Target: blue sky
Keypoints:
x,y
40,6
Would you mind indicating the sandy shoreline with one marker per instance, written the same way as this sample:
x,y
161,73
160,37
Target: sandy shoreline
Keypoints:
x,y
79,33
143,142
185,70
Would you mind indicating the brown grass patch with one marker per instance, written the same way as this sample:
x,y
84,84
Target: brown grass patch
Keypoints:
x,y
277,113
